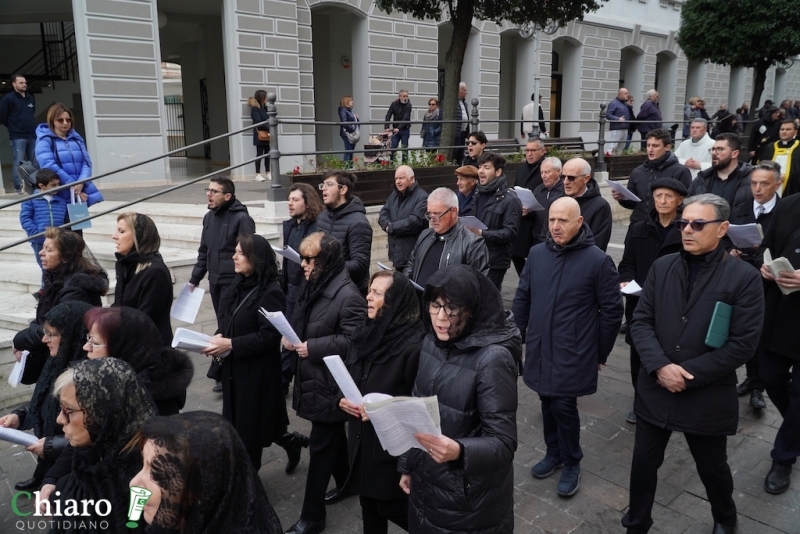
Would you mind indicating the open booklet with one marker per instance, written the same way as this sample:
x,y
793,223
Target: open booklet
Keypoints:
x,y
186,339
777,266
397,419
527,199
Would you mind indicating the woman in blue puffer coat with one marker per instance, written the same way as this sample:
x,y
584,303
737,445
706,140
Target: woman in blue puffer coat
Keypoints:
x,y
61,149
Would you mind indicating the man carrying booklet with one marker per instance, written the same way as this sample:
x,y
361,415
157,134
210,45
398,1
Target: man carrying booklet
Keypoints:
x,y
528,176
684,384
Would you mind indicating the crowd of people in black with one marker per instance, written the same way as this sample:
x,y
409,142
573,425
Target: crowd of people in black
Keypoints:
x,y
109,389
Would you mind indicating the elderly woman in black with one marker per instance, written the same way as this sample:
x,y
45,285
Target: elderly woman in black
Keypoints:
x,y
143,280
463,480
64,334
249,346
329,308
103,406
67,275
383,358
201,477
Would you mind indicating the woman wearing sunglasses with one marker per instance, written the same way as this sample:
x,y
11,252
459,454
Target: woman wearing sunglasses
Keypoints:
x,y
62,150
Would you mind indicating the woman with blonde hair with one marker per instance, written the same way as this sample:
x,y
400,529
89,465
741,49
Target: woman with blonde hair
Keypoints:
x,y
143,280
346,114
258,113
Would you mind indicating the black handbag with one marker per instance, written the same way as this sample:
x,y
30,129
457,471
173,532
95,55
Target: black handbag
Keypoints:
x,y
27,170
215,369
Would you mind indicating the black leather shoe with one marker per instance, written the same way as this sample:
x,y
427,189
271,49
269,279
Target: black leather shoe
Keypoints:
x,y
719,528
293,443
777,480
306,527
757,400
217,387
744,388
27,485
623,328
335,495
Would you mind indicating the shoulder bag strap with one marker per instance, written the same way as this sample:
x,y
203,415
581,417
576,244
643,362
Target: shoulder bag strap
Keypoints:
x,y
235,311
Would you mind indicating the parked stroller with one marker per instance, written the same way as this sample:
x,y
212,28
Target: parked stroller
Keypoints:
x,y
378,149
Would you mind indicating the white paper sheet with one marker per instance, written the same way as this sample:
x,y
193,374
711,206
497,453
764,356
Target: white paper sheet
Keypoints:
x,y
280,323
12,435
396,420
529,201
384,267
343,379
473,222
413,283
633,289
15,377
185,339
287,252
624,191
745,235
777,266
186,306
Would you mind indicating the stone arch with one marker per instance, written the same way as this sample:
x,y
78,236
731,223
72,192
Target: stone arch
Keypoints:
x,y
631,72
340,4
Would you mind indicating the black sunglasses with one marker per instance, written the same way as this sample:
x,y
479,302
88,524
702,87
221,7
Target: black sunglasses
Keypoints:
x,y
307,259
697,226
570,178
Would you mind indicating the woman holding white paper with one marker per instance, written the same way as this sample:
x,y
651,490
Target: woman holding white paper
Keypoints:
x,y
252,399
464,480
329,308
383,358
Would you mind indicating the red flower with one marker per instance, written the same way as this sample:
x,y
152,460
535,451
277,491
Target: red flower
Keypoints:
x,y
355,159
384,163
296,170
440,158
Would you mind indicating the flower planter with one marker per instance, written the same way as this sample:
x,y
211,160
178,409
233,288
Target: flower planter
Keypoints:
x,y
620,167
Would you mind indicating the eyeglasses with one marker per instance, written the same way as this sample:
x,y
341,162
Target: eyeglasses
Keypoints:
x,y
434,217
214,191
534,149
718,149
67,412
49,335
92,343
63,120
307,259
697,225
451,311
472,143
329,185
570,178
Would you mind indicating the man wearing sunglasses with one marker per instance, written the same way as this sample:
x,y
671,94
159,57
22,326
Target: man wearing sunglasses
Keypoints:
x,y
476,144
684,384
579,184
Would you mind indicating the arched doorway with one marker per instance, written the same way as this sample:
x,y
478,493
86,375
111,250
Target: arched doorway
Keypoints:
x,y
517,79
565,86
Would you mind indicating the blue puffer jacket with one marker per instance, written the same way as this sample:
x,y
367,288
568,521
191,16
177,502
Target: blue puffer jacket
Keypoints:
x,y
68,158
37,214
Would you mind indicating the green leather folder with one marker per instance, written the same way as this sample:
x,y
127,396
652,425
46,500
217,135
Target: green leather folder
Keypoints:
x,y
720,326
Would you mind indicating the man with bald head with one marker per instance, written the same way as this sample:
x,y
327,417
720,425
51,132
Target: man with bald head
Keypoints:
x,y
568,309
618,113
403,216
579,184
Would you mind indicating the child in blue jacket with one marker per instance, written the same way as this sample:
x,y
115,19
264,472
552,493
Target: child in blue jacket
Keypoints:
x,y
39,213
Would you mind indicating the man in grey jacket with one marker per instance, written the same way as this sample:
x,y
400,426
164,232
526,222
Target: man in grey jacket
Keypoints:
x,y
446,242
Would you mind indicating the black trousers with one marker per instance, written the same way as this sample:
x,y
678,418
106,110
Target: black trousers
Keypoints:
x,y
753,367
216,292
260,151
711,460
376,514
327,456
562,428
496,276
781,377
519,263
636,364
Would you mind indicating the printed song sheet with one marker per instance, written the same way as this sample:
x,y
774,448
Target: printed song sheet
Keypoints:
x,y
745,235
777,266
185,339
15,377
633,289
473,222
187,304
413,283
343,379
287,252
12,435
622,190
397,419
280,323
529,201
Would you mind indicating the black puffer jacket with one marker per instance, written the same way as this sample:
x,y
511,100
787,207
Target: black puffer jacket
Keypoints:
x,y
327,326
399,112
529,177
149,291
403,218
501,214
475,379
642,176
218,242
349,225
461,247
742,196
292,273
596,212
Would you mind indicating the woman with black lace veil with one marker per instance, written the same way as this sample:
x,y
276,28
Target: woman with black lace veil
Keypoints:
x,y
130,335
249,346
202,479
328,310
64,334
103,406
68,275
383,358
143,280
463,480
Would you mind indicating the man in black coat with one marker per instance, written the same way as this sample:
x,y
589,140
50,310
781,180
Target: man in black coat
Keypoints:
x,y
499,209
646,242
764,183
345,218
550,190
403,216
528,176
779,357
18,114
685,385
569,309
661,163
595,210
765,132
727,177
400,111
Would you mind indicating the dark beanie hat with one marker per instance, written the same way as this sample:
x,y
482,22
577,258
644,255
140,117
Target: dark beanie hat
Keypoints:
x,y
669,183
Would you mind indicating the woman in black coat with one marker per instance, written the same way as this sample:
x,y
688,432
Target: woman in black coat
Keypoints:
x,y
67,275
329,308
383,359
463,481
249,347
258,113
143,280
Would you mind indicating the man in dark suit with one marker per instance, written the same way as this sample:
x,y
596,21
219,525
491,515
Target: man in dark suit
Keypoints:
x,y
528,176
764,183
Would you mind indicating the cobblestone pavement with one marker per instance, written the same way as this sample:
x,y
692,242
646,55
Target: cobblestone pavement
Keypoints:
x,y
607,441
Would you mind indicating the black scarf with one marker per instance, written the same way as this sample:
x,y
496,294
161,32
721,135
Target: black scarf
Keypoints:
x,y
265,269
329,263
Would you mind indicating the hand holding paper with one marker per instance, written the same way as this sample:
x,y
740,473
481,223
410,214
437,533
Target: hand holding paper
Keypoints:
x,y
186,306
280,323
622,190
633,289
343,379
473,222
